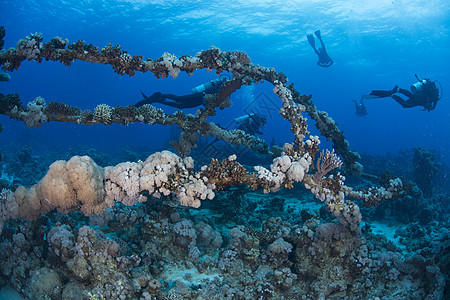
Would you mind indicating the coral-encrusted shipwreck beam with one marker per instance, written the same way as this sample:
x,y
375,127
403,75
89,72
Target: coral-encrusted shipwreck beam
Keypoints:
x,y
79,184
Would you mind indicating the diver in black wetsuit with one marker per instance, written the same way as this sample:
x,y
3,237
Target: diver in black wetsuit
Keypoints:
x,y
324,59
423,93
361,109
251,123
186,101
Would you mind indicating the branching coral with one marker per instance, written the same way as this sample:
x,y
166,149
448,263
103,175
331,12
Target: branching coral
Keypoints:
x,y
102,114
58,108
326,162
91,190
237,63
36,116
31,46
227,172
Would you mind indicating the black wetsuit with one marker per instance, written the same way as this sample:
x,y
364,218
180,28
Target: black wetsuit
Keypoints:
x,y
324,59
184,101
361,109
427,97
253,124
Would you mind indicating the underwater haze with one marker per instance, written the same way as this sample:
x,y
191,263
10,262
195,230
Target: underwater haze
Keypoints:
x,y
376,45
257,245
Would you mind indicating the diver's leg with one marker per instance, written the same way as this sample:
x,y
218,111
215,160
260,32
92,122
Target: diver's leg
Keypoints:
x,y
404,103
382,93
185,101
322,45
319,36
172,103
156,97
405,92
170,96
142,102
312,42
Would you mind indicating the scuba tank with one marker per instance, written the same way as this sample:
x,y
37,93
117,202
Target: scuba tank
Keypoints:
x,y
242,119
418,86
209,85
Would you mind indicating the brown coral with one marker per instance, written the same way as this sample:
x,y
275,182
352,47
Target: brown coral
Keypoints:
x,y
103,113
226,172
58,108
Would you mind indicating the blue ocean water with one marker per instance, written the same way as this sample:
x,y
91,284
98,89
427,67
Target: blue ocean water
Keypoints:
x,y
374,44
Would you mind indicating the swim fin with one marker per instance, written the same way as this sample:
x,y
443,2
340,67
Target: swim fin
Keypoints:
x,y
317,33
383,94
311,40
143,95
155,98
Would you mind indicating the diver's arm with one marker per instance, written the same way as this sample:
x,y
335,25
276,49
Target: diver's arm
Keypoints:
x,y
433,104
362,99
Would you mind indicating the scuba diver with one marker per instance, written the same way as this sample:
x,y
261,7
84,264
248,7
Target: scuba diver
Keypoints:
x,y
251,123
324,59
361,109
423,93
4,76
185,101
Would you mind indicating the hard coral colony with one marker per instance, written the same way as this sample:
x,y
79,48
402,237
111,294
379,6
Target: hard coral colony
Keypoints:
x,y
308,260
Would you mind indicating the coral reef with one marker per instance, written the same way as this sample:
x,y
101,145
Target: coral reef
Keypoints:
x,y
190,188
9,102
57,108
238,63
158,252
130,231
102,114
425,169
80,185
